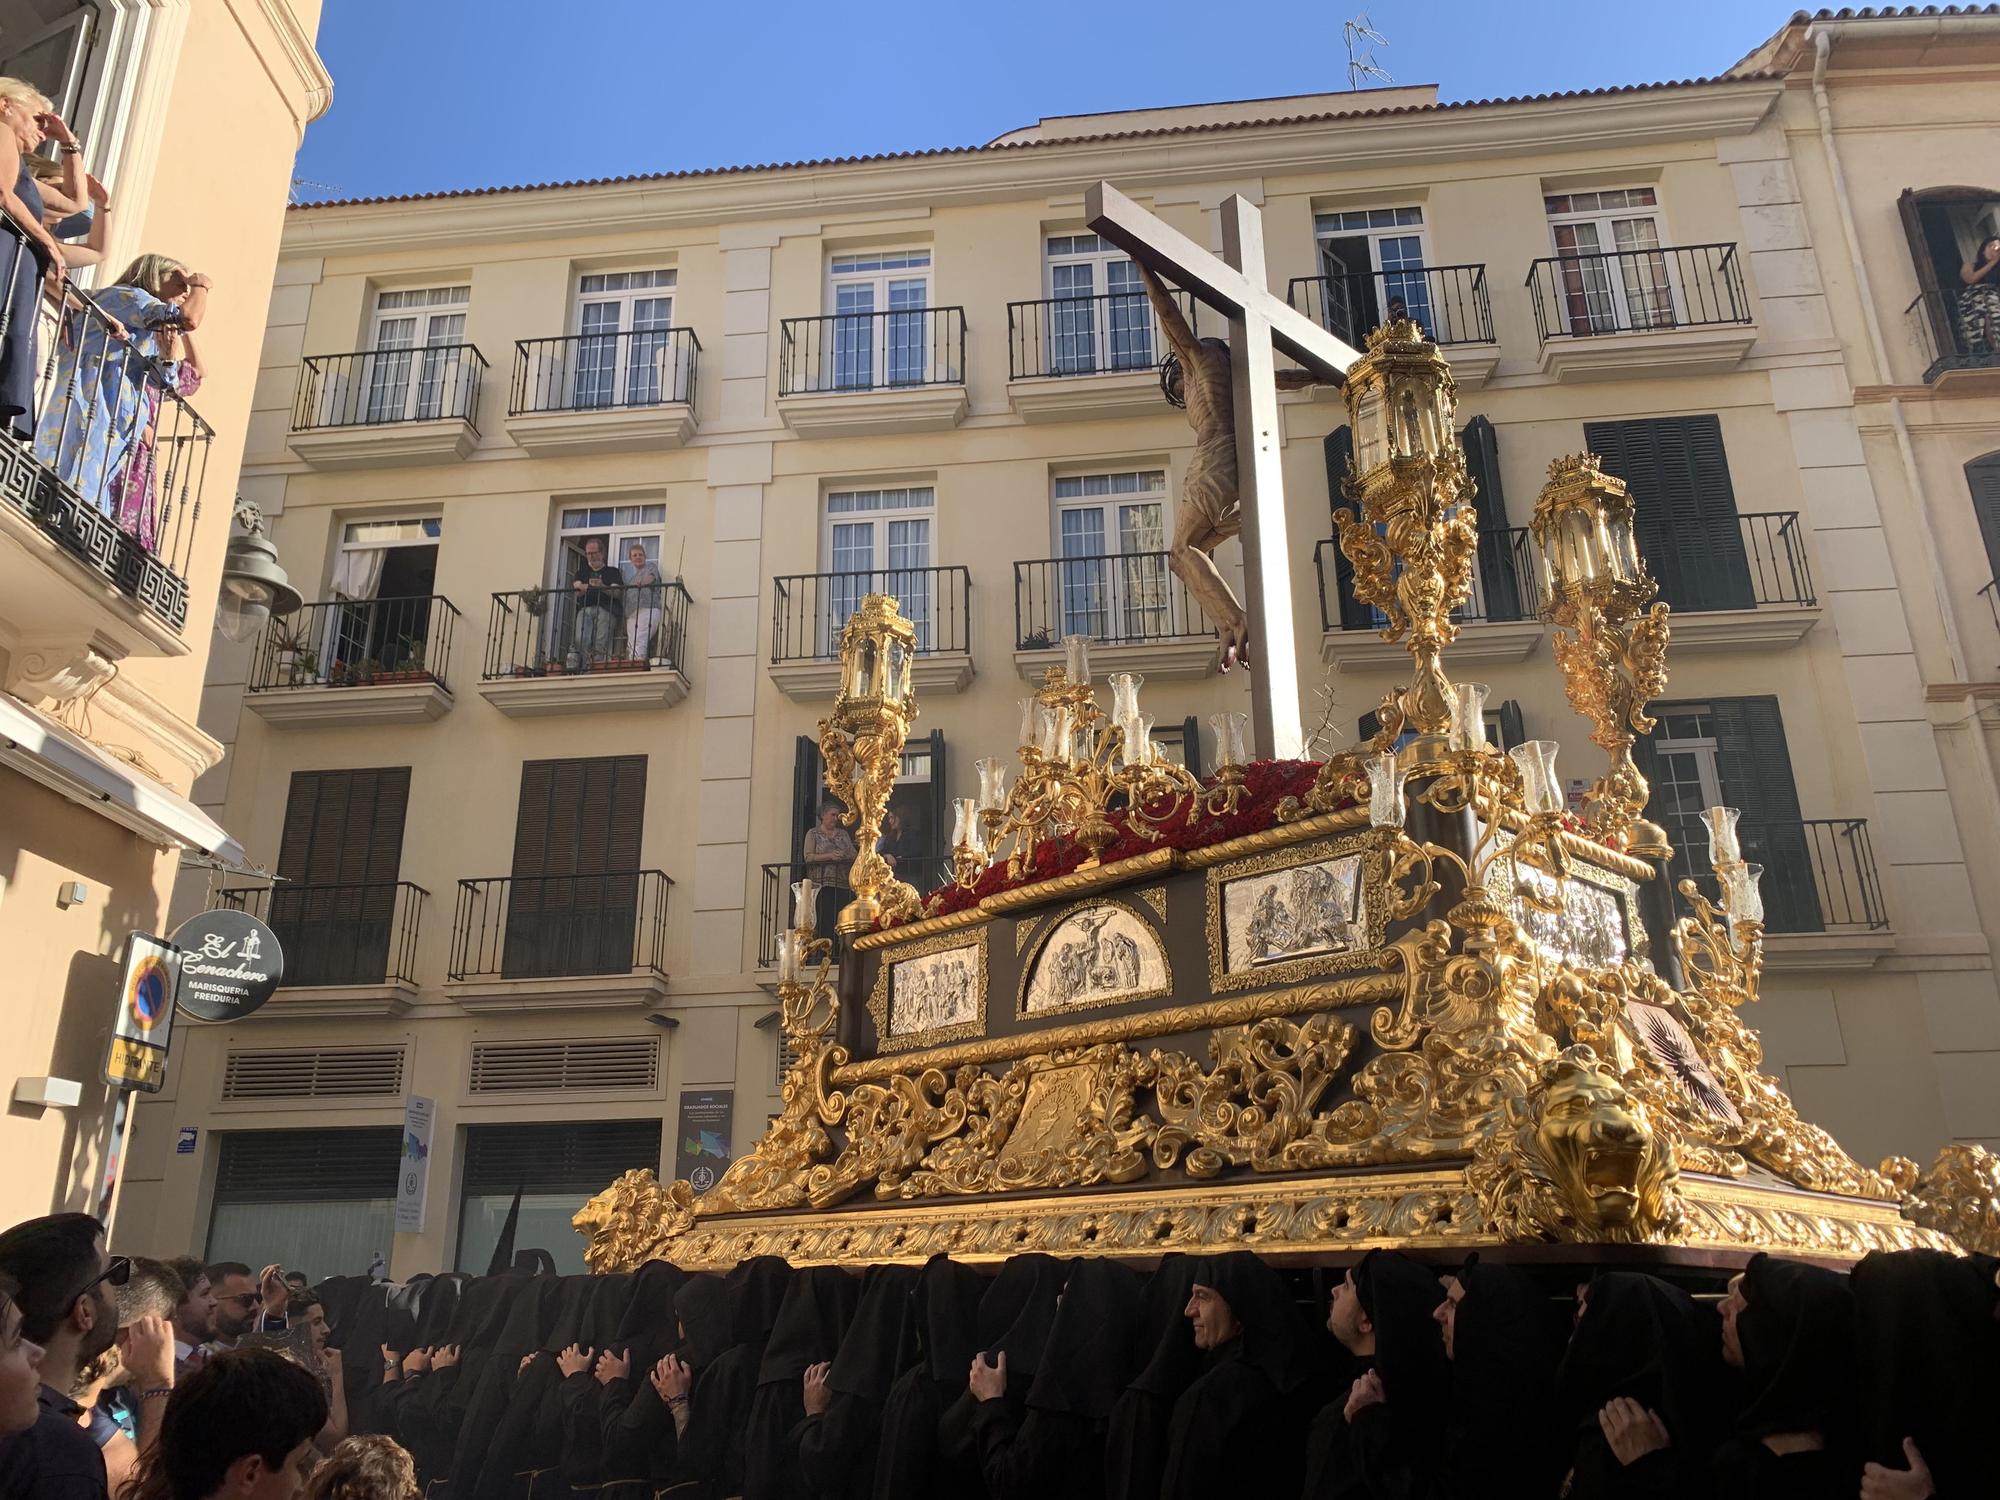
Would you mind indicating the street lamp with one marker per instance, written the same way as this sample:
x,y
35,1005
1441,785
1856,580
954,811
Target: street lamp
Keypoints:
x,y
254,585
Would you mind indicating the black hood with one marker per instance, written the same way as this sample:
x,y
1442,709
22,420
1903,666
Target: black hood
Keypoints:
x,y
1401,1297
1089,1355
756,1290
1018,1310
701,1307
439,1307
818,1306
646,1329
1166,1338
1929,1351
606,1314
573,1294
1643,1338
948,1296
881,1342
1273,1331
1796,1331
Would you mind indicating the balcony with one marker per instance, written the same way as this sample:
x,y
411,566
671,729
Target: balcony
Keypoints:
x,y
94,554
1957,335
629,392
858,374
569,941
355,661
1138,614
774,906
1753,589
809,610
382,408
1450,303
546,653
1072,358
1671,310
1500,623
1823,901
350,948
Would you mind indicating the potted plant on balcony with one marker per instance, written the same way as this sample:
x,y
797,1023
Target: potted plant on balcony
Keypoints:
x,y
1038,640
535,601
409,660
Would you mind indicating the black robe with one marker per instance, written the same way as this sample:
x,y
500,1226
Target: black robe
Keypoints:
x,y
1929,1350
1138,1428
1053,1446
1015,1317
1642,1338
819,1304
712,1450
525,1440
908,1463
636,1429
1503,1438
485,1389
837,1447
573,1407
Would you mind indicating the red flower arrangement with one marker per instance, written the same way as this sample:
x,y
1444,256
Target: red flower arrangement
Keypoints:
x,y
1266,783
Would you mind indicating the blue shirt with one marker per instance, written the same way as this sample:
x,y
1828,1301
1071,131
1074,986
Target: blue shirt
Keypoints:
x,y
55,1459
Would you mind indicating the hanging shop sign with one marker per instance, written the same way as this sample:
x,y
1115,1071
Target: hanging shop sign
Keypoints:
x,y
230,964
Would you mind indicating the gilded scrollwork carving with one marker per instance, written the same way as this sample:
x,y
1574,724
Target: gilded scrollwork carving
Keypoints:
x,y
1958,1196
1258,1105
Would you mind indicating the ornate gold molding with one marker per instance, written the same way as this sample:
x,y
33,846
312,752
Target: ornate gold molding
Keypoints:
x,y
1370,884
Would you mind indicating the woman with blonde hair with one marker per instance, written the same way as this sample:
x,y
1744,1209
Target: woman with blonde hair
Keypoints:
x,y
27,250
105,397
140,513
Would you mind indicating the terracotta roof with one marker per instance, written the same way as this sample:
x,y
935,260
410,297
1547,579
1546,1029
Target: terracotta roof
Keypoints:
x,y
1893,12
1031,145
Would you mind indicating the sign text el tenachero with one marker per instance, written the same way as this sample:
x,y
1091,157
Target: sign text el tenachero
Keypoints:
x,y
230,964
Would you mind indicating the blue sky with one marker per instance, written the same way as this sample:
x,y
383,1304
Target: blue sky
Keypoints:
x,y
437,94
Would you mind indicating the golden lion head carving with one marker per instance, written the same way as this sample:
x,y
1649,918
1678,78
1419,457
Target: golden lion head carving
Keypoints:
x,y
629,1220
1579,1161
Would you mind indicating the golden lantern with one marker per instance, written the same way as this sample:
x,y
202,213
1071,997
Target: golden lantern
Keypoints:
x,y
861,742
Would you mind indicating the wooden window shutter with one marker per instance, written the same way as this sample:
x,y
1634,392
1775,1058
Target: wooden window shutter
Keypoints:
x,y
1755,767
578,841
339,857
1191,745
1499,589
1686,520
1982,477
1339,448
938,835
808,791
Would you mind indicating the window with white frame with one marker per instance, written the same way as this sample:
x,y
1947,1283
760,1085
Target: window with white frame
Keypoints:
x,y
1688,776
1612,271
625,537
617,529
1371,264
879,332
1111,532
877,541
623,351
1098,316
412,373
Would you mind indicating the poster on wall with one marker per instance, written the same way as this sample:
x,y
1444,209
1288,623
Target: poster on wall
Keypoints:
x,y
414,1170
701,1151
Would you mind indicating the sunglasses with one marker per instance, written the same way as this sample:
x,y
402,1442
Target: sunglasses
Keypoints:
x,y
117,1273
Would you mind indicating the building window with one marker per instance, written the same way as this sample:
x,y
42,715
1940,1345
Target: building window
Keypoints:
x,y
319,1201
339,858
878,541
866,350
383,576
1685,518
1371,264
411,373
1107,323
1982,479
1950,232
616,529
623,348
1613,276
1111,532
579,838
553,1168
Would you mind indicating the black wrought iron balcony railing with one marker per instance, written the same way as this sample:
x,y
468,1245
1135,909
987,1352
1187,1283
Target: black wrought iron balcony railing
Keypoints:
x,y
1115,599
1637,291
349,933
560,632
1819,873
1955,328
110,459
1104,334
1450,302
871,351
376,387
809,610
1991,594
1505,584
604,371
559,926
774,905
1761,563
339,643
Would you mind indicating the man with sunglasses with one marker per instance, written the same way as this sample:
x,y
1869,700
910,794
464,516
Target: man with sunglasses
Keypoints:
x,y
66,1279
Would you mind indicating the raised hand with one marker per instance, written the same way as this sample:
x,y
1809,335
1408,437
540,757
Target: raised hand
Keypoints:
x,y
574,1360
671,1379
1365,1392
1879,1482
612,1367
148,1354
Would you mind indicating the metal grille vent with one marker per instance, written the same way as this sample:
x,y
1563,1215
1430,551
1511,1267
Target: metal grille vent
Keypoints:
x,y
313,1073
595,1064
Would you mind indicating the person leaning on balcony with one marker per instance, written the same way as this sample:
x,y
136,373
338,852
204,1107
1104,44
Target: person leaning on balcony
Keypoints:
x,y
85,217
29,250
139,514
643,601
828,849
597,587
102,401
1979,303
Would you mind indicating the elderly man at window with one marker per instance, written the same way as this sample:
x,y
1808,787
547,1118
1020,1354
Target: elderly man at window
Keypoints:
x,y
599,590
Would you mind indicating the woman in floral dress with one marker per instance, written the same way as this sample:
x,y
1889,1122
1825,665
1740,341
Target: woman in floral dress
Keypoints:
x,y
139,512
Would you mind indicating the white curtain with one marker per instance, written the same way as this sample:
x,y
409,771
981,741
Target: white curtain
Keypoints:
x,y
357,574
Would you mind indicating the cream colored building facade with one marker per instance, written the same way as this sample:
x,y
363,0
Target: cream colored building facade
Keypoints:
x,y
102,664
889,377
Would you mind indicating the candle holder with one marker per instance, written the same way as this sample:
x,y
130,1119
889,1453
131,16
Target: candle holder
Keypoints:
x,y
861,741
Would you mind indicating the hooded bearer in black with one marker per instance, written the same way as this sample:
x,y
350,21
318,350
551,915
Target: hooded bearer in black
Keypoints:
x,y
838,1439
1055,1448
908,1464
634,1436
819,1304
1789,1328
1378,1438
1504,1337
712,1446
1136,1432
1235,1427
1015,1317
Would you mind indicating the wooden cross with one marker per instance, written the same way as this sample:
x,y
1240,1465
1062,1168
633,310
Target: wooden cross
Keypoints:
x,y
1258,322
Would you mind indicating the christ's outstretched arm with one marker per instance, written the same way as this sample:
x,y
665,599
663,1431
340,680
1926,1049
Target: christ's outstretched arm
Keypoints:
x,y
1168,311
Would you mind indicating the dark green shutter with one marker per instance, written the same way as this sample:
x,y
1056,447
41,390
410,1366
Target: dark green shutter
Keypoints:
x,y
1191,745
1982,477
339,858
1353,614
1511,731
1499,589
1686,520
573,904
1756,771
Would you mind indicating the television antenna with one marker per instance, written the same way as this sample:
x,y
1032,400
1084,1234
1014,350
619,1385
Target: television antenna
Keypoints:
x,y
1361,64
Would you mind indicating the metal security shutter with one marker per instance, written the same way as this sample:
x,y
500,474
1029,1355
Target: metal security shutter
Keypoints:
x,y
575,892
563,1158
303,1166
1685,507
312,1073
596,1064
1982,478
339,858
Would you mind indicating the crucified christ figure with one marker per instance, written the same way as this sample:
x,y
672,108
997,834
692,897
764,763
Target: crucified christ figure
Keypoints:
x,y
1209,512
